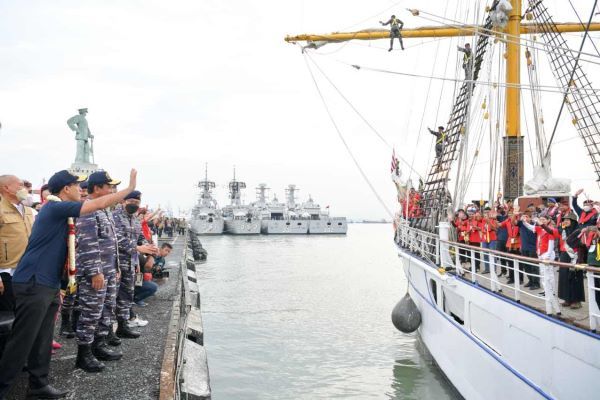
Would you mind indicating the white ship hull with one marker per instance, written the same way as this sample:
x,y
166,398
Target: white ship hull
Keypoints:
x,y
328,225
242,227
283,227
503,350
202,227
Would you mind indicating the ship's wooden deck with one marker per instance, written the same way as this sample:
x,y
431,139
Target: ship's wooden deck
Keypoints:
x,y
577,317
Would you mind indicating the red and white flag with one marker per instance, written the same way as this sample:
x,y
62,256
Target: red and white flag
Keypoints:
x,y
394,162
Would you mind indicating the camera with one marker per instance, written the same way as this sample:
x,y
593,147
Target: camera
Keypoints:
x,y
160,273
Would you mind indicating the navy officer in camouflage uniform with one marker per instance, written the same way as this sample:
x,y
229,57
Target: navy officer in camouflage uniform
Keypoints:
x,y
131,242
97,270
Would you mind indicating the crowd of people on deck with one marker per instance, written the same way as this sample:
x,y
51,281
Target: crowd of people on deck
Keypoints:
x,y
85,252
563,229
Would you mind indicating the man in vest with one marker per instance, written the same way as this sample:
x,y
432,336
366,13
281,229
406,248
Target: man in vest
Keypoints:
x,y
588,215
396,26
440,141
467,60
546,237
15,227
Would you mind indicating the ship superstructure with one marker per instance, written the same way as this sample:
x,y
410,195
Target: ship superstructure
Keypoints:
x,y
206,215
319,221
240,219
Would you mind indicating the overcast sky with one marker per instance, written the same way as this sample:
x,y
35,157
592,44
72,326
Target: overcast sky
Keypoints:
x,y
173,85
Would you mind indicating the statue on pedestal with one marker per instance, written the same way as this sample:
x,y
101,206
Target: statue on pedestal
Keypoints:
x,y
84,157
83,136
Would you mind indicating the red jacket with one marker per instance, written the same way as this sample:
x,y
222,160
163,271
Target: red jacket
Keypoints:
x,y
475,235
514,238
545,240
488,229
463,228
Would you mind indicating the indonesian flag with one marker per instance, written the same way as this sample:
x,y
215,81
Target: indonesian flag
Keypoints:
x,y
394,162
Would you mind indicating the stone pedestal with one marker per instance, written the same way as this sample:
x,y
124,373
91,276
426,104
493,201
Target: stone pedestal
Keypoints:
x,y
83,168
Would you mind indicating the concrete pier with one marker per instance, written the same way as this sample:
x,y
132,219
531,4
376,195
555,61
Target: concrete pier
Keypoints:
x,y
162,354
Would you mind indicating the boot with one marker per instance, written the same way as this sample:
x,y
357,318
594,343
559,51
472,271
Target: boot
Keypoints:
x,y
66,328
124,331
86,360
112,339
102,352
46,392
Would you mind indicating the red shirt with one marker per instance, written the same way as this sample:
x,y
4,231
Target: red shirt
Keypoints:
x,y
488,229
475,235
545,240
463,227
514,238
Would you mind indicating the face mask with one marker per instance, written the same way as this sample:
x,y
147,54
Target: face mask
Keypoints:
x,y
587,208
131,208
22,194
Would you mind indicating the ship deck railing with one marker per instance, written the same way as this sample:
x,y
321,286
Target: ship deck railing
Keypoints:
x,y
461,260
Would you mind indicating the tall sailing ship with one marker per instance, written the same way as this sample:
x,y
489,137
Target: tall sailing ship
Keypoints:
x,y
495,340
206,215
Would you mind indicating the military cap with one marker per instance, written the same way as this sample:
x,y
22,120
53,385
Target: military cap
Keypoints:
x,y
82,110
61,179
84,185
101,178
551,200
136,194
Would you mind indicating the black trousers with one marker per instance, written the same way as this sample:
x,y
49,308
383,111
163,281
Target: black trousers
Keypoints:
x,y
532,269
7,304
31,338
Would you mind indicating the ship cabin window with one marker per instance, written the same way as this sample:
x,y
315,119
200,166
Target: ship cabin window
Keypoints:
x,y
433,286
287,223
314,216
339,224
454,305
329,223
210,219
299,223
277,216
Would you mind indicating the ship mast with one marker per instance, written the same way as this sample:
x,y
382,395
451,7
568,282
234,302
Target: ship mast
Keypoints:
x,y
513,141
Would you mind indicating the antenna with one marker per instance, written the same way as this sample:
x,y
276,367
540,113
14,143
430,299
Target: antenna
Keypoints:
x,y
206,171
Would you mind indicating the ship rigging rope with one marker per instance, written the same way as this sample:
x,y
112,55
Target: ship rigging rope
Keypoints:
x,y
562,105
359,113
333,122
541,88
493,33
432,146
581,22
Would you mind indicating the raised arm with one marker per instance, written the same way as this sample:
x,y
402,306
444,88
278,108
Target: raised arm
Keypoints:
x,y
527,225
389,21
110,199
574,204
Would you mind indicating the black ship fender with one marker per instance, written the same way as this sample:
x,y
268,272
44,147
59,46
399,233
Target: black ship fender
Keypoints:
x,y
406,317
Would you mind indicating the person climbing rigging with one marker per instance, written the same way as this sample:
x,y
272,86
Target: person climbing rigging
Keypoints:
x,y
440,141
396,26
467,60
